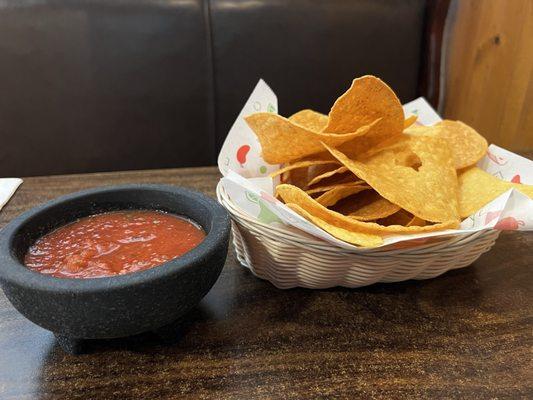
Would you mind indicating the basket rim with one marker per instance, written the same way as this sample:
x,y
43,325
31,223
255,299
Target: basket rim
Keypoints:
x,y
304,240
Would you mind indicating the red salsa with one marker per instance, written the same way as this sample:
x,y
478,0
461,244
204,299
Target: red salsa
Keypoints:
x,y
113,243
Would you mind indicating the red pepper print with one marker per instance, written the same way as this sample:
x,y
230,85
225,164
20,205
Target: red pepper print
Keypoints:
x,y
242,152
509,224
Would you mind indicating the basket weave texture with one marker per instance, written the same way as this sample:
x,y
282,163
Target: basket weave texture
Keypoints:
x,y
290,258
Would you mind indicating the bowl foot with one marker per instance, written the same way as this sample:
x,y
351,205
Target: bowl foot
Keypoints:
x,y
71,345
168,335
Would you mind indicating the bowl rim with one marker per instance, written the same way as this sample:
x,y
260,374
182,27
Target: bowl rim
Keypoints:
x,y
15,272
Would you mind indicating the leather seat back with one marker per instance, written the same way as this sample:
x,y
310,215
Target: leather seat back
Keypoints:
x,y
100,85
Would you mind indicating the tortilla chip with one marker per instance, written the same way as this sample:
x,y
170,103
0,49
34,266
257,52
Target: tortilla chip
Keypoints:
x,y
367,97
357,238
467,146
309,119
401,218
415,221
301,176
300,164
478,188
332,196
292,194
370,205
298,177
429,193
335,186
322,155
316,170
283,141
410,120
328,174
367,100
401,151
338,179
371,143
407,158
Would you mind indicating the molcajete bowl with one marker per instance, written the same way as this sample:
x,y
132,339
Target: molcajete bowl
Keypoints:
x,y
121,305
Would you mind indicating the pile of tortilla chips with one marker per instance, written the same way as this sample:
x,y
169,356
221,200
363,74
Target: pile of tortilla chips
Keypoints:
x,y
363,172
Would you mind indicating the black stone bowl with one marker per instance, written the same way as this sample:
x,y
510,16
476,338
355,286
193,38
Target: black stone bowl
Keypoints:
x,y
101,308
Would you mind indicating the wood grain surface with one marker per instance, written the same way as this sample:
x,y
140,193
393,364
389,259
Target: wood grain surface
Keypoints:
x,y
466,334
489,69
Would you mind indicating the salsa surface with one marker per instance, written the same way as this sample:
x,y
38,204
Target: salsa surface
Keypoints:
x,y
113,243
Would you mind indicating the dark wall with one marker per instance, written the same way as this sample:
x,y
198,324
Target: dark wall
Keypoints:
x,y
113,85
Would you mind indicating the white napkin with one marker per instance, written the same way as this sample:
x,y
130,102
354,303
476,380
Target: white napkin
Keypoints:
x,y
8,186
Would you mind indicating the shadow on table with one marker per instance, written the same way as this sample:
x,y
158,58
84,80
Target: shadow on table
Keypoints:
x,y
243,318
410,299
168,335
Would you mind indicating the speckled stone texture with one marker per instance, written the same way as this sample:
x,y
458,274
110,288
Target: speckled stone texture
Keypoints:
x,y
464,335
116,306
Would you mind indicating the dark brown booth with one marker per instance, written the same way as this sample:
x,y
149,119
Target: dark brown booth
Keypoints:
x,y
100,85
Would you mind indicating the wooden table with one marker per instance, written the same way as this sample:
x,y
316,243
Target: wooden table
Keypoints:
x,y
466,334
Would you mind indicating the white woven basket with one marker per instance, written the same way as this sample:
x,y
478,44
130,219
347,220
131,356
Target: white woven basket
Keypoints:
x,y
289,258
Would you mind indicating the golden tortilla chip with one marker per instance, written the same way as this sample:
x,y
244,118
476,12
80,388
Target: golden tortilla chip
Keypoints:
x,y
467,146
318,164
332,196
477,188
338,179
298,177
301,176
409,121
407,158
322,155
316,170
368,96
371,143
300,164
368,99
335,186
356,148
400,217
327,174
292,194
415,221
400,150
357,238
429,192
370,205
310,119
283,142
